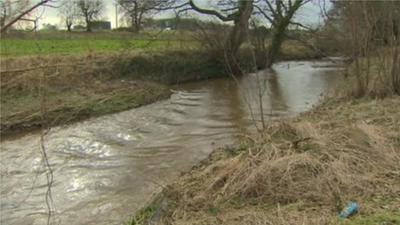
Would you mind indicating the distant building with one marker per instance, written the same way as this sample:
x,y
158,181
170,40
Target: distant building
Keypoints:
x,y
79,28
49,27
100,25
179,24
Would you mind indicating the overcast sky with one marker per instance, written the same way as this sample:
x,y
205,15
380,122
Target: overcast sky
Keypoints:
x,y
309,14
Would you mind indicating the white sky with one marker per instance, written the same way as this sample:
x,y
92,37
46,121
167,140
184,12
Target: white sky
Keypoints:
x,y
309,14
50,15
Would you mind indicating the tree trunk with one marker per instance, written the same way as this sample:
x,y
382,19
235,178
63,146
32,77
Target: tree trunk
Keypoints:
x,y
135,25
276,43
241,27
88,25
2,23
69,27
281,24
238,35
136,22
88,21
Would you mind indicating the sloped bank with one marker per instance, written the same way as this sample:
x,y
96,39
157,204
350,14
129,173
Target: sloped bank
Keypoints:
x,y
59,89
299,171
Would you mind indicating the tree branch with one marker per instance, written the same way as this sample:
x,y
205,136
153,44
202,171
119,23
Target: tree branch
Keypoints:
x,y
303,26
265,14
9,24
271,9
210,12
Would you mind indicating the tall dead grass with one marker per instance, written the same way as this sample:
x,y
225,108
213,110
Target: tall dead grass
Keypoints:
x,y
298,172
371,31
376,76
62,71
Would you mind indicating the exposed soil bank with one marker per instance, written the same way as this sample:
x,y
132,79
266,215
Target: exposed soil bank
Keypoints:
x,y
70,88
24,113
299,171
90,85
109,167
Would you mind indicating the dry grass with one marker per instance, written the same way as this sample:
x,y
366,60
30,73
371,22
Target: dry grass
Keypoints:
x,y
73,87
295,50
301,171
375,76
80,87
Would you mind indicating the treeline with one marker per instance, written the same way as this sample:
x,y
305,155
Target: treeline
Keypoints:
x,y
277,15
367,32
363,31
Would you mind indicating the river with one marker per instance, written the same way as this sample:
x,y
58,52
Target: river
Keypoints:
x,y
106,168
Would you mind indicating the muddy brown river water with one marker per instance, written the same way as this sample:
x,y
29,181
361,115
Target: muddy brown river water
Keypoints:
x,y
106,168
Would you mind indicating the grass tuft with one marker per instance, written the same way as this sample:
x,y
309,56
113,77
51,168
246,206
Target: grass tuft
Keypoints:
x,y
301,171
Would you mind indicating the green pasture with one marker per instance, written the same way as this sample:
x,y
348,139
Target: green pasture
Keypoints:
x,y
21,47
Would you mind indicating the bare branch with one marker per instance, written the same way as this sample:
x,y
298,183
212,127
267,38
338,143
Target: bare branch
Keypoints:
x,y
271,9
266,16
211,12
21,15
302,26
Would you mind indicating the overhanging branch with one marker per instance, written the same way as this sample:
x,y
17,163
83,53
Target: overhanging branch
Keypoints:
x,y
16,19
263,13
211,12
303,26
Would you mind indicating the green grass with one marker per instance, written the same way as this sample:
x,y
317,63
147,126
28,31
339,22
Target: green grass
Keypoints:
x,y
23,47
21,111
106,83
98,35
387,218
145,215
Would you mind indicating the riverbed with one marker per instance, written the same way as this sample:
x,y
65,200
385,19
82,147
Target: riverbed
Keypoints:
x,y
108,167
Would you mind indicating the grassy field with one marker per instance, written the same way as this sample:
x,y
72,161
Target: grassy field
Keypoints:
x,y
18,47
33,47
91,66
60,42
91,85
50,43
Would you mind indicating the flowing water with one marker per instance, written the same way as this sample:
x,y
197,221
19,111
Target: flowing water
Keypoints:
x,y
106,168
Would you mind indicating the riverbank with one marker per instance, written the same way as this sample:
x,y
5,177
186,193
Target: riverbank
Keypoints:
x,y
69,88
299,171
66,89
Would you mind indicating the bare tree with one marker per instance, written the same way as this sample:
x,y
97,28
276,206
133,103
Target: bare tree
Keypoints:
x,y
5,8
238,12
68,12
371,30
14,11
10,9
280,15
137,10
90,10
